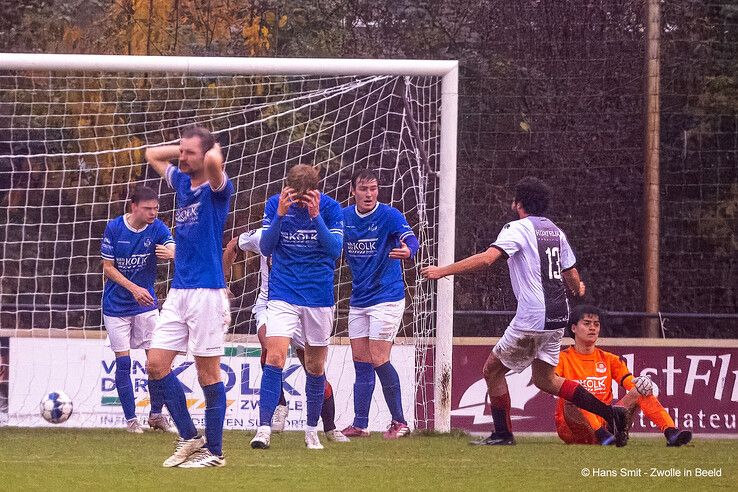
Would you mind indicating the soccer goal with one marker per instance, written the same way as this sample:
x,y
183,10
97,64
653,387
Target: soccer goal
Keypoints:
x,y
73,130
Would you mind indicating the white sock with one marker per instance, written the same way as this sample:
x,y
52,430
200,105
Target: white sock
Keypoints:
x,y
309,428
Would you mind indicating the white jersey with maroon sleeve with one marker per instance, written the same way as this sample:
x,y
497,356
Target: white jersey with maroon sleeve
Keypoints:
x,y
537,252
249,241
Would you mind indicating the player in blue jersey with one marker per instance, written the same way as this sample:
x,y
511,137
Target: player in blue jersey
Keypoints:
x,y
196,313
542,268
377,238
303,233
130,247
249,242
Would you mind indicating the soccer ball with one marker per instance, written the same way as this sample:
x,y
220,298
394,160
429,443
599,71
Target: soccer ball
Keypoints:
x,y
56,407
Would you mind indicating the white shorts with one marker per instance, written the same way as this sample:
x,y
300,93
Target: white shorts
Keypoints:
x,y
518,348
300,323
131,332
378,322
194,320
260,318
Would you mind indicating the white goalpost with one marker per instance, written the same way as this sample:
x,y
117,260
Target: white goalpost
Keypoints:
x,y
73,130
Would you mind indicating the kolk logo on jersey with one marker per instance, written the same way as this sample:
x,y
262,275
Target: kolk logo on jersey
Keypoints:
x,y
301,237
133,263
188,215
594,385
362,247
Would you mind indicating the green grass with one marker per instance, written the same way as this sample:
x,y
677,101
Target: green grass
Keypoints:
x,y
70,459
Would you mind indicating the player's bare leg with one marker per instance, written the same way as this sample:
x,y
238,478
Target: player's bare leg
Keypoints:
x,y
494,375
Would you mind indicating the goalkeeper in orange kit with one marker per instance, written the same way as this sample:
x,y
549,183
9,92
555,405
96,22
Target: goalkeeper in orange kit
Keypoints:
x,y
595,370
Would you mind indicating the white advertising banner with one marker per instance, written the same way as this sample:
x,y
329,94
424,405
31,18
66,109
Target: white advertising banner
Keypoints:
x,y
85,370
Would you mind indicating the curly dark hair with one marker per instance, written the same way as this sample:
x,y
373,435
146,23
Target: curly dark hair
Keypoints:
x,y
533,195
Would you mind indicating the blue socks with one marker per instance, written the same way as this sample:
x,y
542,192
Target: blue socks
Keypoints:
x,y
271,389
391,389
176,402
363,391
215,409
314,394
124,386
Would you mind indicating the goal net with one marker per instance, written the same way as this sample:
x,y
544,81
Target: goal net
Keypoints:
x,y
72,148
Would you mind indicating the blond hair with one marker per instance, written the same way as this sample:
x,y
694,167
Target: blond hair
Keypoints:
x,y
303,178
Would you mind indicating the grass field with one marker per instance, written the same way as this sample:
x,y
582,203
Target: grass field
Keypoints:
x,y
69,459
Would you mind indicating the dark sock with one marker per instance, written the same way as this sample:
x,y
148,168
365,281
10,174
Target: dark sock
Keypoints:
x,y
328,412
176,402
271,388
124,386
314,396
573,392
363,390
500,407
391,388
215,410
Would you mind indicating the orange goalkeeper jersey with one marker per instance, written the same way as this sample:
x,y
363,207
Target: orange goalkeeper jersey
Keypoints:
x,y
595,372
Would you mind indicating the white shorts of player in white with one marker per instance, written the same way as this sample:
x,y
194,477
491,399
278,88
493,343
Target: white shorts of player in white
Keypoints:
x,y
300,323
261,318
517,348
378,322
131,332
194,320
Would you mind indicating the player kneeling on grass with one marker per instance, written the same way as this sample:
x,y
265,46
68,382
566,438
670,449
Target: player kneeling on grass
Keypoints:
x,y
130,247
540,260
196,313
377,239
303,234
586,363
249,242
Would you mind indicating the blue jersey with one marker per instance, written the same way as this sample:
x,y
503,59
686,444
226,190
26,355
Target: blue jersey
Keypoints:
x,y
200,217
305,253
369,238
134,255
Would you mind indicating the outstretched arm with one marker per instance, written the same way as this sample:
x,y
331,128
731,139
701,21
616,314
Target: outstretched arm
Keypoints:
x,y
159,157
471,264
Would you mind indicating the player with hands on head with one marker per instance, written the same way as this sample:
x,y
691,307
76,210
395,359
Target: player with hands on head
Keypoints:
x,y
542,268
130,247
377,239
303,234
249,242
196,313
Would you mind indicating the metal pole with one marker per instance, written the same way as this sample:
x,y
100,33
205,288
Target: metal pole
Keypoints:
x,y
651,190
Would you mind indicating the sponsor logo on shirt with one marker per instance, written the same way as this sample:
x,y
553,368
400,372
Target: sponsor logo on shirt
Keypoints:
x,y
188,215
547,233
301,237
362,247
132,263
594,384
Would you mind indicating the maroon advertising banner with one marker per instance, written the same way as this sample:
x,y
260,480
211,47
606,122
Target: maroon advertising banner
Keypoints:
x,y
698,386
